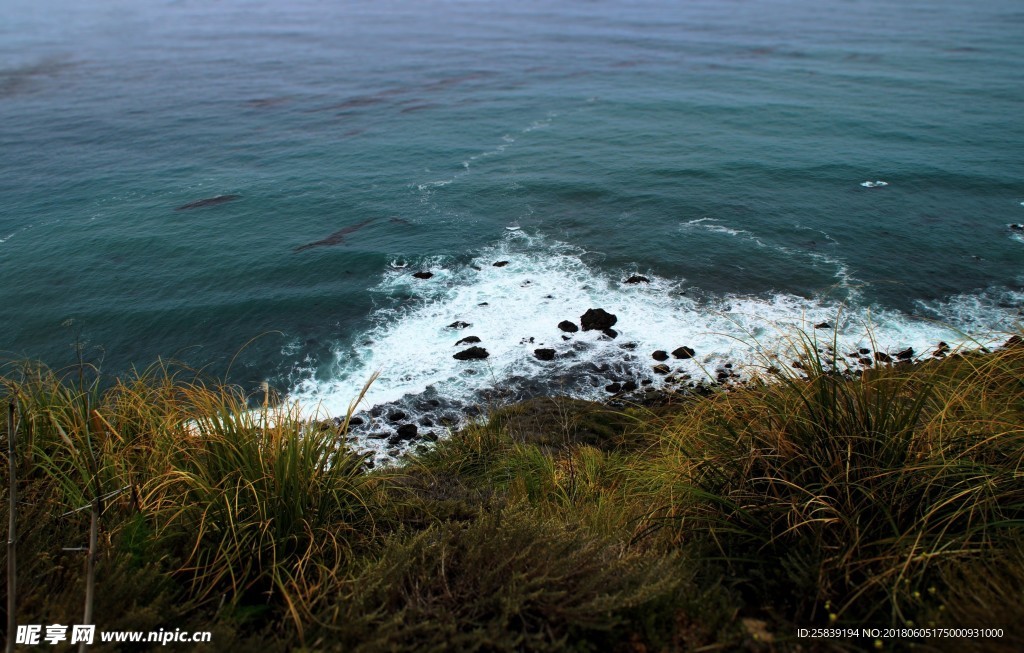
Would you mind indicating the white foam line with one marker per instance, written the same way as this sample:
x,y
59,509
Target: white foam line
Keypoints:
x,y
843,275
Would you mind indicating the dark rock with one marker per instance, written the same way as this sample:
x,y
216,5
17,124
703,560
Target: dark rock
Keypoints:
x,y
597,318
431,436
396,416
483,304
500,264
683,353
864,350
823,325
568,327
638,278
661,368
356,421
394,452
646,382
544,354
613,387
377,436
728,366
629,386
468,340
866,362
426,421
422,275
883,357
1016,227
628,346
1014,341
611,333
473,353
798,365
660,355
906,354
459,324
943,346
407,431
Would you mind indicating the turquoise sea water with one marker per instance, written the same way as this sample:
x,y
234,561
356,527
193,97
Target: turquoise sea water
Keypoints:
x,y
716,147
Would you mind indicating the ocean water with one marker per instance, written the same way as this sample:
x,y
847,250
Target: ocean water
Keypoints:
x,y
718,148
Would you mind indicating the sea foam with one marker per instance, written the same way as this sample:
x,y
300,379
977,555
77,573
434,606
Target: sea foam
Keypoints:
x,y
515,309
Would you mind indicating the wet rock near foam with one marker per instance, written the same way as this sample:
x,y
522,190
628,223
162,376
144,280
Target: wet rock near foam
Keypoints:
x,y
597,319
473,353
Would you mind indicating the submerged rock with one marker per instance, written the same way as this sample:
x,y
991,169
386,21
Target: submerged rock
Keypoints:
x,y
396,416
638,278
422,275
500,264
597,319
823,325
473,353
468,340
459,324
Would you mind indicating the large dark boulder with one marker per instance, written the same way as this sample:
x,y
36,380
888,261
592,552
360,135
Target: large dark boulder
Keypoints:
x,y
568,327
396,416
473,353
422,275
500,264
597,318
683,353
883,357
906,354
661,368
407,431
660,355
611,333
544,354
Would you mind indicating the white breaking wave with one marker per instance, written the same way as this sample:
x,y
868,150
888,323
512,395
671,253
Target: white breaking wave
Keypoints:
x,y
515,309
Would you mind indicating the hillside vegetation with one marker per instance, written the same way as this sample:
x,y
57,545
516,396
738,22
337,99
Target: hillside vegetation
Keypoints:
x,y
889,499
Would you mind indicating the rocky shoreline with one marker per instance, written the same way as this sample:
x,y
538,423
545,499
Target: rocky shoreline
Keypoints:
x,y
390,430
